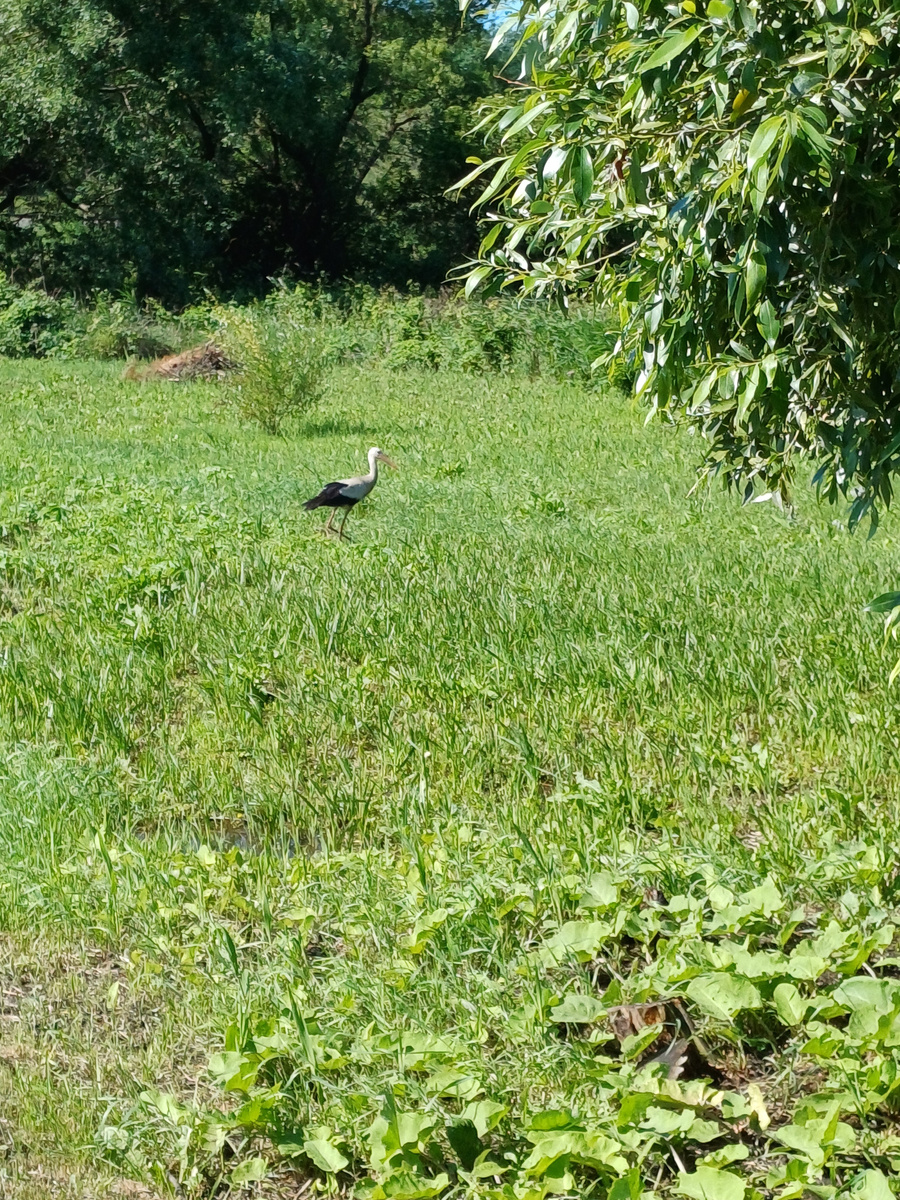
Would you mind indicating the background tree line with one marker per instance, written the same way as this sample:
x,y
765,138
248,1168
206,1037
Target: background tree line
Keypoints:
x,y
167,146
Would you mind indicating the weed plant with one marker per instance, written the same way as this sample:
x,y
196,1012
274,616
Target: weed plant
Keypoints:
x,y
281,361
392,866
294,324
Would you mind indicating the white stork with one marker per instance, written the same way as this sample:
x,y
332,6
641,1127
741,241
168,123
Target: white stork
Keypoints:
x,y
344,493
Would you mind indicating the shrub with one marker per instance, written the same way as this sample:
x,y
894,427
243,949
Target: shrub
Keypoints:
x,y
32,322
282,361
121,328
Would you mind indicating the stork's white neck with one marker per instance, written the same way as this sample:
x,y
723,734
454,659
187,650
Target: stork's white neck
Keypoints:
x,y
373,466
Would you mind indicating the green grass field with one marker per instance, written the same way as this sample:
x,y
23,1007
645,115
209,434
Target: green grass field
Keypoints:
x,y
322,865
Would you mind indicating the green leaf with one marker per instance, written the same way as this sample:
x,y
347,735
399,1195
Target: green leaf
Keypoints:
x,y
871,1184
476,277
873,1003
408,1185
719,10
555,162
475,173
465,1142
762,141
709,1183
252,1170
803,1140
637,1043
485,1115
325,1155
703,1131
668,1120
886,602
600,892
789,1004
735,1152
579,938
577,1010
722,995
768,324
429,923
754,278
591,1149
582,174
526,118
626,1187
671,48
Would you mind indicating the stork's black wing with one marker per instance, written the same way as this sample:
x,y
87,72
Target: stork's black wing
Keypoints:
x,y
329,497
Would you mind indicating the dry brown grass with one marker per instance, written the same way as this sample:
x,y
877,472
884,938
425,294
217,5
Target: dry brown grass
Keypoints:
x,y
208,361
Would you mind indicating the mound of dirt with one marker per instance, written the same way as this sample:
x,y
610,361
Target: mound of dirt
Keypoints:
x,y
208,361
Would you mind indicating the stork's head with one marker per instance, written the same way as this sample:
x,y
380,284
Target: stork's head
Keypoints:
x,y
376,455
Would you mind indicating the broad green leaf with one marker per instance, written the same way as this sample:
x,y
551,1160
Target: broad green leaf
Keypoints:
x,y
485,1115
637,1043
600,892
709,1183
252,1170
735,1152
590,1149
805,1141
766,898
408,1185
668,1120
871,1184
578,1010
671,48
722,995
325,1155
789,1004
426,926
703,1131
719,10
580,938
873,1004
626,1187
415,1127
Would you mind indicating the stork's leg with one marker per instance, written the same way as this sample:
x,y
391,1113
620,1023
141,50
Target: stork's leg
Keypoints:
x,y
330,519
343,523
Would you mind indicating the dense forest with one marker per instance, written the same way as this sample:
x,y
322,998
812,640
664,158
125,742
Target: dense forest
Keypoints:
x,y
167,147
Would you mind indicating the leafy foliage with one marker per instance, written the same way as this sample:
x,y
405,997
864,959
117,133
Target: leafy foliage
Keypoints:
x,y
398,816
351,324
764,1054
32,323
281,362
161,148
725,173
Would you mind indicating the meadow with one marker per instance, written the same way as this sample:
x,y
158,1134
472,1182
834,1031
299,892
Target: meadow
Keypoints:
x,y
391,866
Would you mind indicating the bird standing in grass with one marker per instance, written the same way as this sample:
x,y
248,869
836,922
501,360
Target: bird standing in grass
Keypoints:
x,y
344,493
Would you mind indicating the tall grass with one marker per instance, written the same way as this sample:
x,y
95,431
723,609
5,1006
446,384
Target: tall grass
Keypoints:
x,y
540,655
350,324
